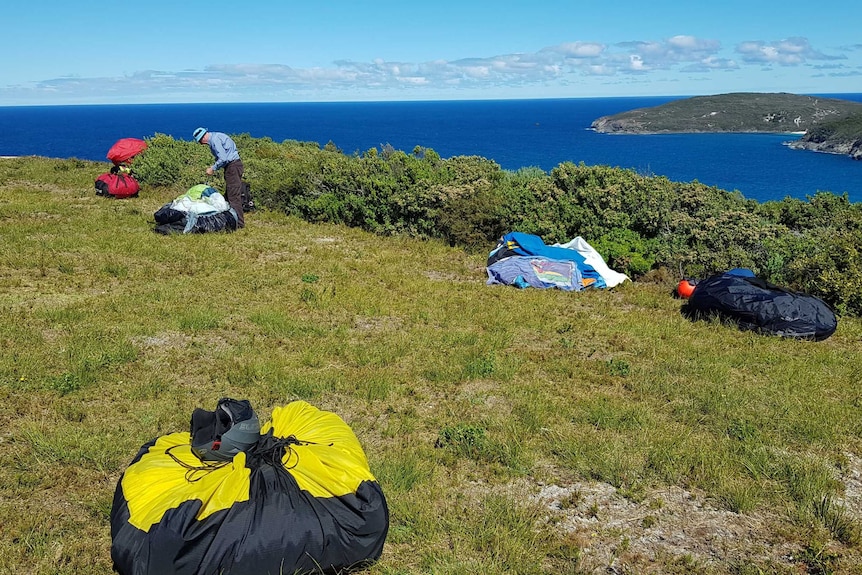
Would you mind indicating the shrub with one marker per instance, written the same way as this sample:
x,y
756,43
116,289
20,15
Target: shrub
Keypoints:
x,y
830,268
627,251
169,162
639,223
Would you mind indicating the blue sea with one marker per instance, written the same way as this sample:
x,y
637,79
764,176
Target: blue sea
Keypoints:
x,y
514,133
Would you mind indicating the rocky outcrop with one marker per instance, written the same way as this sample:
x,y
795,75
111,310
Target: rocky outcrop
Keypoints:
x,y
831,145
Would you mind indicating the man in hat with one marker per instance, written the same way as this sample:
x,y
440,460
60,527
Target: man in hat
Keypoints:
x,y
226,156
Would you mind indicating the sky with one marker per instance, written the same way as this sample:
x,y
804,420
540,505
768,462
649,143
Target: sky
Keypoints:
x,y
189,51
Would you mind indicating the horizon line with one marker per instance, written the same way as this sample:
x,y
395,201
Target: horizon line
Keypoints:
x,y
416,101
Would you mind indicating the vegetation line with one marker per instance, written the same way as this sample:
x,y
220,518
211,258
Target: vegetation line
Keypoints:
x,y
648,227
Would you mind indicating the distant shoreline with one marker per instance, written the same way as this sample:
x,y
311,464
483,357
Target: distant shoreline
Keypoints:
x,y
740,112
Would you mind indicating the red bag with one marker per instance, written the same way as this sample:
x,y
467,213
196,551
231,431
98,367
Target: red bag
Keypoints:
x,y
117,185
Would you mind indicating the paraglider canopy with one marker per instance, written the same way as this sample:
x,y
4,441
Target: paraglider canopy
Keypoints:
x,y
126,149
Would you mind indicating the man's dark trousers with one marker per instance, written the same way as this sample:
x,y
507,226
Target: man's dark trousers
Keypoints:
x,y
233,189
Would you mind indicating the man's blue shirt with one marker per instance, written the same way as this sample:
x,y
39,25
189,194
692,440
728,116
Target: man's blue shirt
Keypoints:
x,y
223,149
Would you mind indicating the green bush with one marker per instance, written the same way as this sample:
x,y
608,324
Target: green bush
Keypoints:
x,y
830,267
626,249
169,162
638,223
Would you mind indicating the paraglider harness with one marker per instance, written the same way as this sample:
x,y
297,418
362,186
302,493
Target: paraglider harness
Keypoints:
x,y
217,436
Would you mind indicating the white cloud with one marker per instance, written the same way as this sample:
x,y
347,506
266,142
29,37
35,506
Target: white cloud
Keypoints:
x,y
846,74
787,52
561,65
693,44
636,63
711,63
577,49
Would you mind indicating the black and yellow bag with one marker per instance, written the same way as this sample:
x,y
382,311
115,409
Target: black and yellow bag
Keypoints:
x,y
301,500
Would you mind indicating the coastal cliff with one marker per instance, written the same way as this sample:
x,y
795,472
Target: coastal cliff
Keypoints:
x,y
839,137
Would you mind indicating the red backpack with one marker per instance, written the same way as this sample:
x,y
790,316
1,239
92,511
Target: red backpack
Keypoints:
x,y
119,182
117,185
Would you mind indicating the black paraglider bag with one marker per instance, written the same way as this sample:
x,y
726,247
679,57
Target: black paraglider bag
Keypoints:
x,y
755,304
301,500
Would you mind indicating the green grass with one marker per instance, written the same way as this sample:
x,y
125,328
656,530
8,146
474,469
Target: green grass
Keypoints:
x,y
467,398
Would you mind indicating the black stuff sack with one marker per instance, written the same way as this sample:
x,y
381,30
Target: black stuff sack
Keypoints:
x,y
301,499
247,200
755,304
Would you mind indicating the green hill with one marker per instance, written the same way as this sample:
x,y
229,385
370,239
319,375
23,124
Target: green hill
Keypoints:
x,y
736,112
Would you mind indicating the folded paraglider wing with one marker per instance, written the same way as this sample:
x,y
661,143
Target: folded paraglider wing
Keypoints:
x,y
201,209
755,304
302,500
524,260
126,149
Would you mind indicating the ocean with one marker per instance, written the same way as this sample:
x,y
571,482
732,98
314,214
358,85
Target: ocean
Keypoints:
x,y
514,133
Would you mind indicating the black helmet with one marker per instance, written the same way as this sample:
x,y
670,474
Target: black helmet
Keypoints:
x,y
219,435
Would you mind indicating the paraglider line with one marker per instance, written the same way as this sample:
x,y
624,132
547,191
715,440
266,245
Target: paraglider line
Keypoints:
x,y
192,469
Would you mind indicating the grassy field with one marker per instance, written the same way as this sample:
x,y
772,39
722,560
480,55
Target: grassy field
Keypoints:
x,y
512,431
